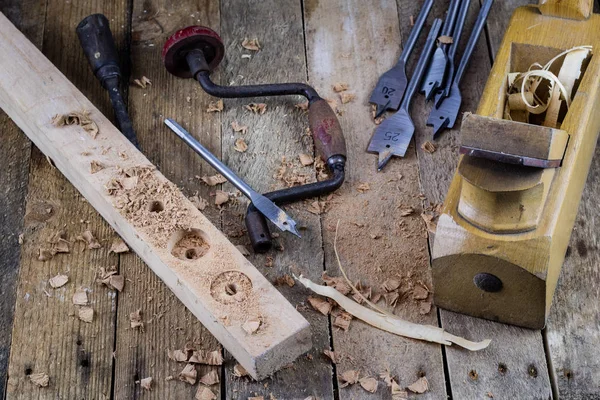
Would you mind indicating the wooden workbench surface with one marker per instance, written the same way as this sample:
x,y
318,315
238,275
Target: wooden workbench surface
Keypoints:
x,y
322,42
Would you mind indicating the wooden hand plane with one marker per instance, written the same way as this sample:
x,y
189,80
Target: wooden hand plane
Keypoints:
x,y
508,215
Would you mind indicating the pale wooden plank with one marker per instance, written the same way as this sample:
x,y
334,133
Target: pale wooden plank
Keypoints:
x,y
168,324
517,349
355,42
277,133
14,162
285,333
47,335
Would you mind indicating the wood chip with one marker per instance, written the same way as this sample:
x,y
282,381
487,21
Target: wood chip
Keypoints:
x,y
285,280
251,325
86,314
445,39
405,212
214,358
40,379
96,166
143,82
305,159
188,374
199,202
256,108
239,128
211,378
118,246
391,284
58,281
45,254
302,106
332,355
363,187
369,384
391,299
428,147
135,319
239,371
347,97
348,378
88,237
146,383
420,386
204,393
177,355
424,307
314,207
343,320
340,87
114,282
319,304
80,297
251,44
81,118
215,106
240,145
398,393
420,293
429,223
198,357
214,180
337,282
221,197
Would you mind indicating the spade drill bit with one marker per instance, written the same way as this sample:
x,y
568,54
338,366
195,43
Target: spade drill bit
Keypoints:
x,y
266,207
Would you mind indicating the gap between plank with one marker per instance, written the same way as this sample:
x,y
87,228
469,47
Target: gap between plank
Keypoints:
x,y
551,371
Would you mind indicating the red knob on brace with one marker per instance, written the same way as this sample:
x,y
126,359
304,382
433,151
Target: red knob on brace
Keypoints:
x,y
179,44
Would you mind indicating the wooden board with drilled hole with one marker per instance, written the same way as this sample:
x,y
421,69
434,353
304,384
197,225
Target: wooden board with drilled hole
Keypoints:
x,y
206,272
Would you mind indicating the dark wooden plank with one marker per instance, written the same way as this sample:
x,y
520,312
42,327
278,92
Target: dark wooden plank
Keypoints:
x,y
519,350
277,133
47,335
355,42
28,16
167,323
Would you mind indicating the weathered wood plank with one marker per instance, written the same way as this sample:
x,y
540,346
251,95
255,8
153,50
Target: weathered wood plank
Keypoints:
x,y
518,350
47,335
14,161
168,324
355,42
277,133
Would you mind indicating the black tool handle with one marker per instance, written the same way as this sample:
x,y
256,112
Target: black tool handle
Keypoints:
x,y
415,31
477,28
419,72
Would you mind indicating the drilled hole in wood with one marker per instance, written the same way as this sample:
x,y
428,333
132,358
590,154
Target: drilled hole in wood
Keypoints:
x,y
156,206
28,371
473,375
189,245
231,287
502,368
532,370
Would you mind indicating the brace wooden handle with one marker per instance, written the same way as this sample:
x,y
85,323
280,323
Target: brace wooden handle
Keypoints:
x,y
326,130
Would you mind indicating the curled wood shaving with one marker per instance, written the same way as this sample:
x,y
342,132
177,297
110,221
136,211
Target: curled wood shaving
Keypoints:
x,y
420,386
251,325
428,147
349,378
239,371
214,358
391,284
40,379
215,106
340,87
221,197
420,293
96,166
188,374
337,282
81,118
211,378
256,108
58,281
397,392
363,187
114,282
322,306
429,223
146,383
88,237
405,212
424,307
135,319
199,202
80,297
343,320
285,280
118,246
369,384
251,44
45,254
214,180
347,97
445,39
240,145
143,82
305,159
239,128
204,393
86,314
177,355
332,355
197,357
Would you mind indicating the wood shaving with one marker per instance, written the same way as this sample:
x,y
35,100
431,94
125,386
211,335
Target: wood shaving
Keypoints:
x,y
113,281
405,212
199,202
135,319
369,384
256,398
143,82
343,320
387,377
332,355
398,393
424,307
239,371
240,145
305,159
429,223
58,281
86,314
45,254
379,119
420,293
336,282
188,374
96,166
256,108
215,106
420,386
214,358
391,299
347,97
178,355
251,44
81,118
269,262
322,306
302,106
348,378
221,197
411,20
146,383
340,87
88,237
314,207
243,250
118,246
80,297
428,147
211,378
204,393
390,284
363,187
198,357
214,180
40,379
239,128
285,280
445,39
251,325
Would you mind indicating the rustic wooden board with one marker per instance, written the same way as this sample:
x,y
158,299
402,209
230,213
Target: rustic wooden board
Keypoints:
x,y
355,42
47,335
168,324
14,162
516,348
280,132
